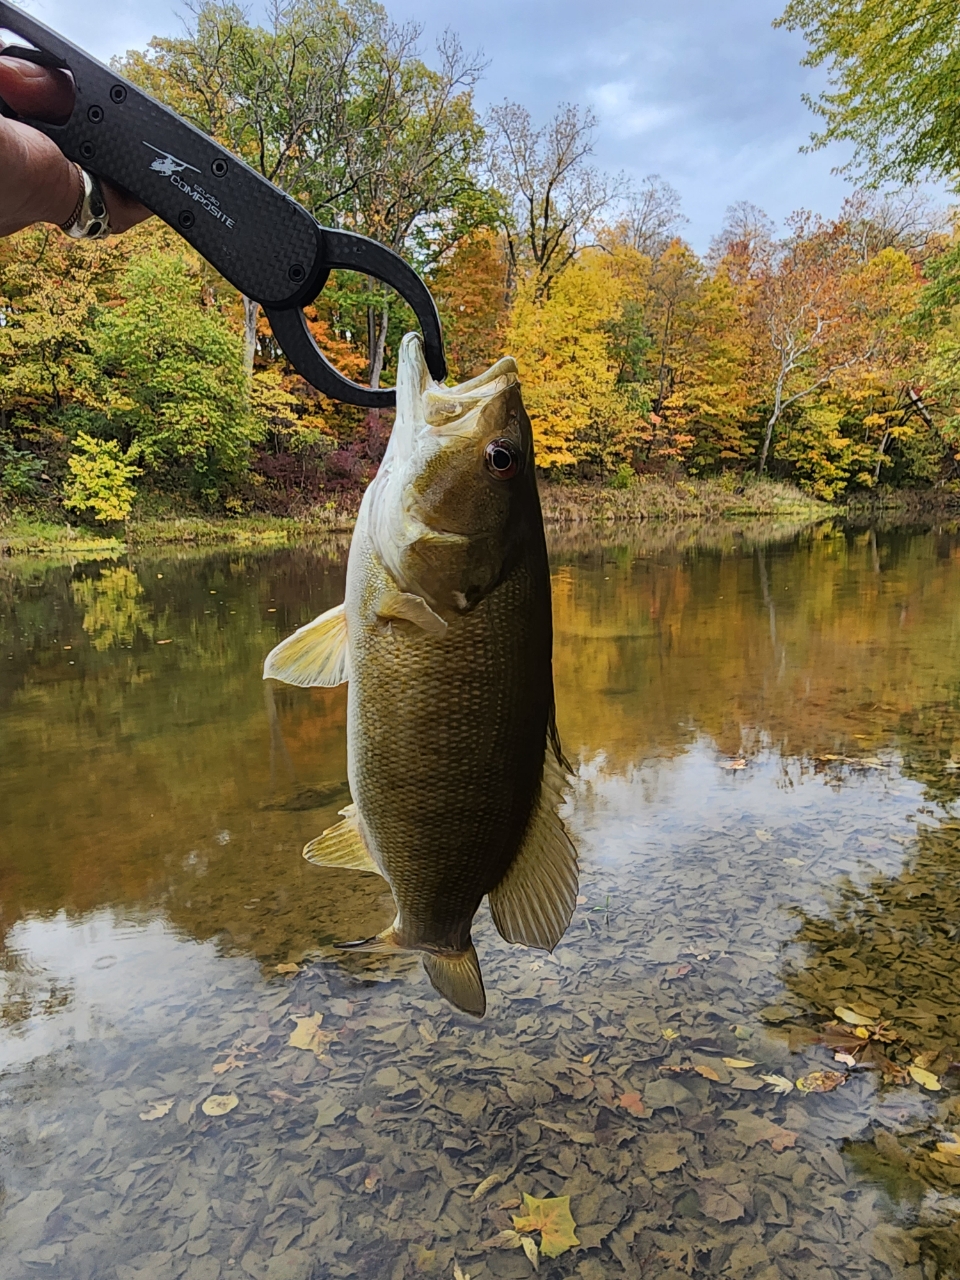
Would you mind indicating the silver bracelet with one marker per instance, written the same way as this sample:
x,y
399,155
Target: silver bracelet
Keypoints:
x,y
89,220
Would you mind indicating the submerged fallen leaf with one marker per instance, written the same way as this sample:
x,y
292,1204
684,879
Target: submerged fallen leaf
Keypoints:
x,y
486,1185
925,1078
820,1081
278,1095
633,1103
850,1015
708,1073
228,1064
551,1217
531,1250
738,1062
948,1152
157,1110
458,1274
668,1033
847,1059
308,1034
288,968
779,1084
218,1104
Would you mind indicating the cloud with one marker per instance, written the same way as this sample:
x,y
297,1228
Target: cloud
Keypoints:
x,y
706,94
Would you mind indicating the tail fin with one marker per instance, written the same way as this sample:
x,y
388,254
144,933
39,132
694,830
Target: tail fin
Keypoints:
x,y
458,978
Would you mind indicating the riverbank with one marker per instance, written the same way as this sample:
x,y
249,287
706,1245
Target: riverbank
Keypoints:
x,y
649,499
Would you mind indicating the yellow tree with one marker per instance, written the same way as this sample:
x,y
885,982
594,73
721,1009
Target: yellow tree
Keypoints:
x,y
570,373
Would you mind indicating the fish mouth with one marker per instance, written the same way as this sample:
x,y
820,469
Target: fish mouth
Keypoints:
x,y
424,405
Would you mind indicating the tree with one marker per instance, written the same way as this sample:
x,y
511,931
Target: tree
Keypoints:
x,y
552,198
799,306
470,286
893,71
653,218
170,382
333,103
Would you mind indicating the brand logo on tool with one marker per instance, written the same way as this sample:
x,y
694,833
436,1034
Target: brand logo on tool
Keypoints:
x,y
170,167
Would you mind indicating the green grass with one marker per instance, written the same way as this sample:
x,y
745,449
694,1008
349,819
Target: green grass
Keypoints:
x,y
649,499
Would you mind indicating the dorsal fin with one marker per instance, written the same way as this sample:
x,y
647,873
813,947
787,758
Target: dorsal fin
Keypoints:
x,y
534,901
316,654
342,845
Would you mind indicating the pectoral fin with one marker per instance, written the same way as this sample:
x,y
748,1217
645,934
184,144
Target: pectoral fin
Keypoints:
x,y
316,654
342,845
411,608
534,901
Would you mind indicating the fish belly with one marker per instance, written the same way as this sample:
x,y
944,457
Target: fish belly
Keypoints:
x,y
446,739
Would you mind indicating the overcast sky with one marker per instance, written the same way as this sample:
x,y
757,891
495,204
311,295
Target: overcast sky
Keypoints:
x,y
704,92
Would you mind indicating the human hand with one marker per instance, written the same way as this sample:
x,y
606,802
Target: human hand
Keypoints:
x,y
37,182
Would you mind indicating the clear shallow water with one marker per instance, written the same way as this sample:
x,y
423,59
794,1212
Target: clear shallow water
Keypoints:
x,y
151,882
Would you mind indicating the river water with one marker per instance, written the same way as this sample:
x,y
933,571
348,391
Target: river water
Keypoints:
x,y
766,725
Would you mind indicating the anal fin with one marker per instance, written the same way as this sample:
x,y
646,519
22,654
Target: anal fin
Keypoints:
x,y
458,979
316,654
342,845
534,901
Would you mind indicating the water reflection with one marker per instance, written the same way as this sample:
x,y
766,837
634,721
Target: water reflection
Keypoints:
x,y
151,883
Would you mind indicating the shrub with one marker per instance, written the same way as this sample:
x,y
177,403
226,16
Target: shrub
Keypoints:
x,y
101,479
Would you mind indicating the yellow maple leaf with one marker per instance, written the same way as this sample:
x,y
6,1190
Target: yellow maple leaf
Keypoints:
x,y
308,1034
552,1218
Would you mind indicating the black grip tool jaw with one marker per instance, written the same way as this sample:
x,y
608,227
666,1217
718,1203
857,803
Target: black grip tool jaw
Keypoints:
x,y
264,243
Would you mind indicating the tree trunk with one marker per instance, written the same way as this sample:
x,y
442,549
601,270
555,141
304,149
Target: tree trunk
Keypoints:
x,y
767,439
251,311
883,445
378,351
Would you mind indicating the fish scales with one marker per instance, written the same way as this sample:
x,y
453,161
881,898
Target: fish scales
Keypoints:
x,y
453,731
445,638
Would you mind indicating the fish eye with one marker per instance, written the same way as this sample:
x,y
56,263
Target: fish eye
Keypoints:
x,y
502,459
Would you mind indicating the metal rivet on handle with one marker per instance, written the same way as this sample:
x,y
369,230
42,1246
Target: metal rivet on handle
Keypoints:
x,y
118,93
297,273
186,219
219,168
87,150
95,114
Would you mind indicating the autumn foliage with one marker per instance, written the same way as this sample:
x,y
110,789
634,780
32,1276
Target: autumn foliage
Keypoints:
x,y
825,354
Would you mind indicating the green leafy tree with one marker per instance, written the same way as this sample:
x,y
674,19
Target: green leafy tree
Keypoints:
x,y
894,67
171,384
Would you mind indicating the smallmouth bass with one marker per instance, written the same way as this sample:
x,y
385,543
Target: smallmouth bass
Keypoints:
x,y
445,637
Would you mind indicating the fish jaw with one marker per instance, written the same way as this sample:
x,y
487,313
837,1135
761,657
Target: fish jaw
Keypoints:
x,y
442,525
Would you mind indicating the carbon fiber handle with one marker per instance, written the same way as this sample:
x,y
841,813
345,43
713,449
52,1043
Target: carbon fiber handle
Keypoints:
x,y
258,238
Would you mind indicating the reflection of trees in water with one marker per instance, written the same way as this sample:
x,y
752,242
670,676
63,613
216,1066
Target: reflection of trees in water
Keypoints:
x,y
804,646
894,943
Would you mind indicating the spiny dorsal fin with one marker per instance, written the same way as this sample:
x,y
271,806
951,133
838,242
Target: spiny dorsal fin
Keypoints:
x,y
534,901
316,654
458,979
342,845
411,608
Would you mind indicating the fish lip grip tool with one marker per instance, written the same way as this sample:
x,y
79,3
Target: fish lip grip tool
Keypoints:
x,y
267,246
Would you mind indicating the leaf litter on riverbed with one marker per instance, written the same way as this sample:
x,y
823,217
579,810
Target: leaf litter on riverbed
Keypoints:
x,y
365,1160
